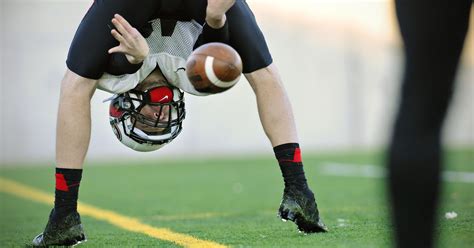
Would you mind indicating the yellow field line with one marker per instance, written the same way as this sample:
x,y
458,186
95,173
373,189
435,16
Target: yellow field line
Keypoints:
x,y
124,222
196,216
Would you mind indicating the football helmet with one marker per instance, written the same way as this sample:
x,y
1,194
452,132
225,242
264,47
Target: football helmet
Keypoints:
x,y
149,119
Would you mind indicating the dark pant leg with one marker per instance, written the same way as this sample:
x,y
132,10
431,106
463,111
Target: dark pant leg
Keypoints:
x,y
433,33
88,56
245,35
247,38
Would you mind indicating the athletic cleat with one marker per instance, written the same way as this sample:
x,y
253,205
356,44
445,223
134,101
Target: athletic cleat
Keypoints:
x,y
300,207
66,232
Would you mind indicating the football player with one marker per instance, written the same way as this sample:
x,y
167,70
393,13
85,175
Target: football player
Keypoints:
x,y
166,58
97,48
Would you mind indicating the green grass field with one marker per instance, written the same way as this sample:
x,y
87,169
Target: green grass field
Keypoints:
x,y
232,201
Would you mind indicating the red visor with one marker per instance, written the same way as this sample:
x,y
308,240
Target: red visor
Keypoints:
x,y
161,94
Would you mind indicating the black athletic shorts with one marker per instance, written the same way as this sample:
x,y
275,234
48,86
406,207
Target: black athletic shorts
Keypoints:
x,y
88,56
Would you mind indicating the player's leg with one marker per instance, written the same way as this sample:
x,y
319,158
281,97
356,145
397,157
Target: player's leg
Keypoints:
x,y
433,32
274,106
74,120
72,139
87,60
276,116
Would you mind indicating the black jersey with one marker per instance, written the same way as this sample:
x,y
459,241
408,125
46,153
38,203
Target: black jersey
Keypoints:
x,y
88,54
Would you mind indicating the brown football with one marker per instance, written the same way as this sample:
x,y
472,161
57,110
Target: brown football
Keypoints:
x,y
214,68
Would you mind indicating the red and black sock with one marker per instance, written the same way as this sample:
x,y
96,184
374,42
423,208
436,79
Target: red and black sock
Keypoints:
x,y
67,191
291,165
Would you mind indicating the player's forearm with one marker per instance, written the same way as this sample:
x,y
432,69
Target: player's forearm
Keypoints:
x,y
216,27
215,12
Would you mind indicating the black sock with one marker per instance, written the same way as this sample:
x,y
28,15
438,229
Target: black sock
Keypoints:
x,y
67,190
291,165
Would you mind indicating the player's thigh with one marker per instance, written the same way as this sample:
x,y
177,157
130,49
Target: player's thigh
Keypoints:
x,y
247,38
88,56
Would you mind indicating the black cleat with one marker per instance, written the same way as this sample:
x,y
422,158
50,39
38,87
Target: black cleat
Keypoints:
x,y
300,207
66,231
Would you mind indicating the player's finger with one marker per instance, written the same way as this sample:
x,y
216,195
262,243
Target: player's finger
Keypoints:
x,y
118,36
124,23
120,28
117,49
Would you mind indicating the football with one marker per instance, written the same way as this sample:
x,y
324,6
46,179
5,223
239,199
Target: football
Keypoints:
x,y
214,67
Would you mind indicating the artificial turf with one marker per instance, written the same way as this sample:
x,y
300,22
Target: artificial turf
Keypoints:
x,y
232,201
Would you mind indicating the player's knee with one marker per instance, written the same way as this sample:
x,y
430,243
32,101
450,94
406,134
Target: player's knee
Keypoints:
x,y
264,78
74,85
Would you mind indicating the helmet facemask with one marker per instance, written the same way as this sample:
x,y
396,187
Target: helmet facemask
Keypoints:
x,y
148,119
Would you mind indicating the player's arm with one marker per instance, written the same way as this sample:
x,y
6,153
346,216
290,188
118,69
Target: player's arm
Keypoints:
x,y
216,28
215,12
135,48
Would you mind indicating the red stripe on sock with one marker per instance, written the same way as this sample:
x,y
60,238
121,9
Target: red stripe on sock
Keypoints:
x,y
61,183
297,156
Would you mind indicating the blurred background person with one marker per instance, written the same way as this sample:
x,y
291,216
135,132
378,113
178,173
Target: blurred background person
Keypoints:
x,y
433,33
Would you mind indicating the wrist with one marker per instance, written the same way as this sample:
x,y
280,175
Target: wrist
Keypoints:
x,y
136,59
216,21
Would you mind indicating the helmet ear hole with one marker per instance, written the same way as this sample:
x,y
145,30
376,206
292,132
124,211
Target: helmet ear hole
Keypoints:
x,y
130,100
126,104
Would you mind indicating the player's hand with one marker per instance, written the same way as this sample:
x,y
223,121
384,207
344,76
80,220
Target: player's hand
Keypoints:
x,y
132,43
215,12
